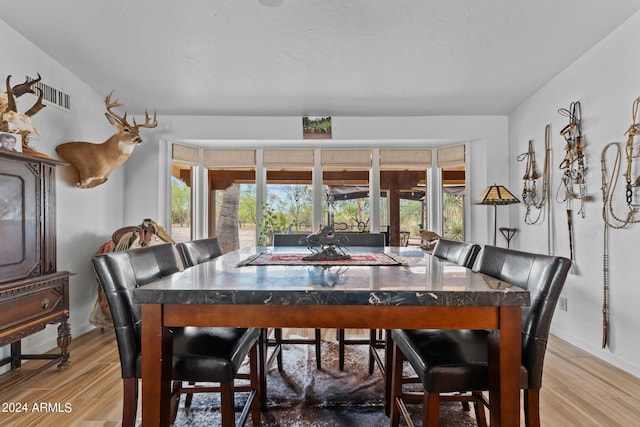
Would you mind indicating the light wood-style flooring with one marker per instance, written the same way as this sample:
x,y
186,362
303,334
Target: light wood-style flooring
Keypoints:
x,y
578,390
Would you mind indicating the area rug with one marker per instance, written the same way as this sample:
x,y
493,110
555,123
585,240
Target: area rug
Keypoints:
x,y
302,396
297,259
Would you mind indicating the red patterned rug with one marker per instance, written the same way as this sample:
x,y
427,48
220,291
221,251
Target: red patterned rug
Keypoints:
x,y
297,259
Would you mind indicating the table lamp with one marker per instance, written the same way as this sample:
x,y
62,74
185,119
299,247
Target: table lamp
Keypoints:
x,y
496,195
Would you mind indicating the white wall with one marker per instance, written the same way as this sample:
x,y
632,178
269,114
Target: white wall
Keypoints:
x,y
606,82
85,218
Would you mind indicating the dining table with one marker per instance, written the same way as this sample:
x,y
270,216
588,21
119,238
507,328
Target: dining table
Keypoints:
x,y
375,288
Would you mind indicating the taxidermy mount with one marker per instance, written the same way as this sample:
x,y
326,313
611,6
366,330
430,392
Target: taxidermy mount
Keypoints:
x,y
12,120
95,162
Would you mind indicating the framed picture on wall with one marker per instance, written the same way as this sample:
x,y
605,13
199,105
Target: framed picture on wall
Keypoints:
x,y
316,127
10,141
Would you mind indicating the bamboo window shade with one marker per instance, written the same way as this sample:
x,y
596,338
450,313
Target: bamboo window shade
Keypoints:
x,y
277,158
346,158
404,159
185,155
214,158
451,156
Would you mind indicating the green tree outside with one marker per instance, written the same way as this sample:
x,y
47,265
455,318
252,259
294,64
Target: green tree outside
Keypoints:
x,y
180,203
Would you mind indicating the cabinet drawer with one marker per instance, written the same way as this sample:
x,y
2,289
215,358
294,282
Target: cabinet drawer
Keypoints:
x,y
26,305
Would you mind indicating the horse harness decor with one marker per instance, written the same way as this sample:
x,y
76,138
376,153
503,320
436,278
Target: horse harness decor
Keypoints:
x,y
148,233
609,217
530,196
574,161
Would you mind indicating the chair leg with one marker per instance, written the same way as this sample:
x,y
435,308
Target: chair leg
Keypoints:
x,y
188,397
278,336
396,385
176,390
532,408
255,371
341,346
318,349
372,348
129,401
227,405
431,410
262,366
478,406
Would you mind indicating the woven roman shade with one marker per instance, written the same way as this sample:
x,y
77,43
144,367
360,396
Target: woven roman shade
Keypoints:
x,y
185,155
346,158
451,156
214,158
405,159
287,158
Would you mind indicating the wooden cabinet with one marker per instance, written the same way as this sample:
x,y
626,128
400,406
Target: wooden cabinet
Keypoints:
x,y
33,293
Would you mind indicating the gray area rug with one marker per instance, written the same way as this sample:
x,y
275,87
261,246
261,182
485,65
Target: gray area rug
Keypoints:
x,y
301,395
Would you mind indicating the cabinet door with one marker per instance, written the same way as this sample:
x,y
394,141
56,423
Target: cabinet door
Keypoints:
x,y
19,219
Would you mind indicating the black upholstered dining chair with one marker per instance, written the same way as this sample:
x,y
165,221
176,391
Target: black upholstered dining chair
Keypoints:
x,y
281,239
198,251
211,355
461,253
375,340
454,361
457,252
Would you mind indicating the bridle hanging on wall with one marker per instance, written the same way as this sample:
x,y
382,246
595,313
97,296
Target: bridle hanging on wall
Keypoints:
x,y
609,217
573,185
609,183
530,196
574,161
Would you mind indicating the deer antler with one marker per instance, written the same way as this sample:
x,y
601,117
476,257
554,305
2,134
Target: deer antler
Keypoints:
x,y
147,122
9,109
37,106
121,119
11,99
26,87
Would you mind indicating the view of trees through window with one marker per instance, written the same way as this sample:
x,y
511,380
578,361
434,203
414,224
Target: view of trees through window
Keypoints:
x,y
288,204
288,209
180,210
452,218
453,191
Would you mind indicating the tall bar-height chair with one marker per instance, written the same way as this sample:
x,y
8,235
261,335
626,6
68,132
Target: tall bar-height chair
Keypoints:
x,y
289,239
455,361
198,251
458,252
280,240
199,354
375,340
195,252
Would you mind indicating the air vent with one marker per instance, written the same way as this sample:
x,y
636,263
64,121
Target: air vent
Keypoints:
x,y
53,96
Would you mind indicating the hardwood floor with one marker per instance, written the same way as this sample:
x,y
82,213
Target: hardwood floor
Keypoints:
x,y
579,390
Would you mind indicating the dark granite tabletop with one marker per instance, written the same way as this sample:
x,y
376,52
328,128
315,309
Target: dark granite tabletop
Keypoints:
x,y
421,280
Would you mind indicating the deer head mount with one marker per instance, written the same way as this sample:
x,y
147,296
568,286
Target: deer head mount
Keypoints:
x,y
11,119
96,161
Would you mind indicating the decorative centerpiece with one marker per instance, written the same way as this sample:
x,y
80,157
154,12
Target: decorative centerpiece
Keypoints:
x,y
327,245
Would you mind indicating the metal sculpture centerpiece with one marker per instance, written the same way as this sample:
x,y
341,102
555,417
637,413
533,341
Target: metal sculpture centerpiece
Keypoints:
x,y
327,245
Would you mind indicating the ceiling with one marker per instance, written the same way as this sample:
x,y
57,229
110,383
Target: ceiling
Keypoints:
x,y
317,57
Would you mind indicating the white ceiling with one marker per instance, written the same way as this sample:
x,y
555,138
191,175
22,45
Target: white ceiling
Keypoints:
x,y
337,57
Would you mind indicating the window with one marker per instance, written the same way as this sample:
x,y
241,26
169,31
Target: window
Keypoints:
x,y
345,182
183,160
243,196
288,206
451,161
